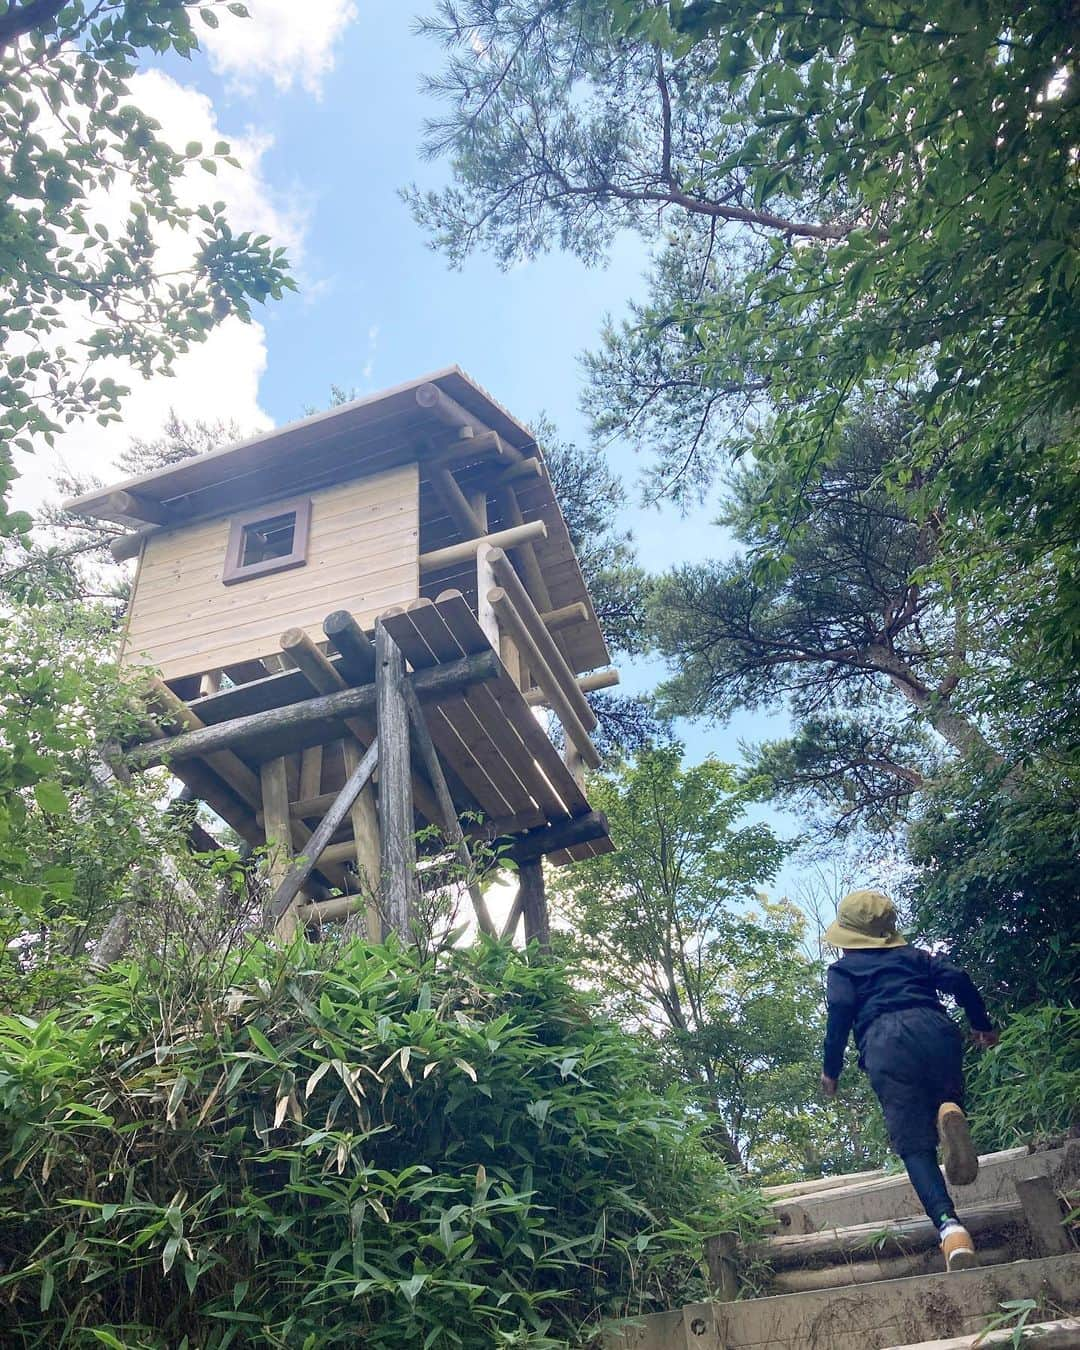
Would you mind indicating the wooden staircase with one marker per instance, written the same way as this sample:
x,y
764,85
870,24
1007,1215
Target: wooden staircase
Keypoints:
x,y
853,1264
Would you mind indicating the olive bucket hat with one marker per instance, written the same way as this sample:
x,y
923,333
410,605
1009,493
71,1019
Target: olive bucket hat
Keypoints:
x,y
864,919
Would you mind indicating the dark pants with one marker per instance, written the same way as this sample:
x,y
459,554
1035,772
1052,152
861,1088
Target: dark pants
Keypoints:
x,y
915,1062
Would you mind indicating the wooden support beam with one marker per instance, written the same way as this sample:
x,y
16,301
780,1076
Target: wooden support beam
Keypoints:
x,y
310,774
127,546
565,617
183,808
289,886
320,673
526,471
721,1259
134,506
455,503
478,503
322,676
485,584
308,808
448,411
229,767
554,690
525,553
451,825
397,839
328,911
534,904
575,764
463,552
514,917
278,826
536,844
365,844
599,679
511,583
1043,1213
208,787
487,443
312,721
357,650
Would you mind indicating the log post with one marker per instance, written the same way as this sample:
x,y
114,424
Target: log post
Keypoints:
x,y
287,890
1042,1211
312,721
356,648
464,550
534,904
278,826
720,1258
455,503
322,676
485,583
513,918
397,852
555,683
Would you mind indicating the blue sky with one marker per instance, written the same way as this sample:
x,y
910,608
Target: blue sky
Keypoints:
x,y
322,100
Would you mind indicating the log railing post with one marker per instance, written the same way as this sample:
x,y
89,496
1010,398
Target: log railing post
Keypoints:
x,y
397,840
485,582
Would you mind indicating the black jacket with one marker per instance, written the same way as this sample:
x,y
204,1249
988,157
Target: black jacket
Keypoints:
x,y
866,983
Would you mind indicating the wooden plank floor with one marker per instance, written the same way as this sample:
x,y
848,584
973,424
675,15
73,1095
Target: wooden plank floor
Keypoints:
x,y
499,759
490,736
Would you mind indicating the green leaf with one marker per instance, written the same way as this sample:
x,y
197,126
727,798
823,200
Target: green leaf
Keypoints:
x,y
52,798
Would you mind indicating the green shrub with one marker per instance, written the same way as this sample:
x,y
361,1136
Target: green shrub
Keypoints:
x,y
361,1148
1028,1086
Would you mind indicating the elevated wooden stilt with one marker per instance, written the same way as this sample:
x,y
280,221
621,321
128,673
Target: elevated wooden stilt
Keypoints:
x,y
281,905
397,843
278,826
451,826
534,904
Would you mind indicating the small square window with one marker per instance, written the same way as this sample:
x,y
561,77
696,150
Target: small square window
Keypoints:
x,y
269,540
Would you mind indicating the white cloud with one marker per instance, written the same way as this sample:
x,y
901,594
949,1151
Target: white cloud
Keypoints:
x,y
288,41
216,379
186,115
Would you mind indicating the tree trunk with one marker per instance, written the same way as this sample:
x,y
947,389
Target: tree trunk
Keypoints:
x,y
953,727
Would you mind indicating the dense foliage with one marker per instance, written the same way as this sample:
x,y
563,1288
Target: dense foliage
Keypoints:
x,y
92,213
843,200
995,877
679,942
1029,1088
323,1147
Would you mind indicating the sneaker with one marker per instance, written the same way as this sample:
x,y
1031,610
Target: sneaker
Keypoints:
x,y
957,1246
961,1160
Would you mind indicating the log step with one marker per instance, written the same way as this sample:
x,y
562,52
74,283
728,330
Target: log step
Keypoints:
x,y
884,1314
882,1198
1064,1334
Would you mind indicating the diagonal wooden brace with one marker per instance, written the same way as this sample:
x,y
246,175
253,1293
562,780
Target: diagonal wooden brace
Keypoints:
x,y
289,889
450,824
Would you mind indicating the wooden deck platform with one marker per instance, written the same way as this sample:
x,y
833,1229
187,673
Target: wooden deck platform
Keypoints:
x,y
499,762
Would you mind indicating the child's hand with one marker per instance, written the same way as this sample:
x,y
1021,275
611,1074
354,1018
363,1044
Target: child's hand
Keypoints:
x,y
828,1085
985,1039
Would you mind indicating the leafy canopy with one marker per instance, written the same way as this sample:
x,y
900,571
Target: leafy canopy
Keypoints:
x,y
845,199
94,212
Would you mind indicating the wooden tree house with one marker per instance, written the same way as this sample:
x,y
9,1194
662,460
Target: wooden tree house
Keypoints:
x,y
353,618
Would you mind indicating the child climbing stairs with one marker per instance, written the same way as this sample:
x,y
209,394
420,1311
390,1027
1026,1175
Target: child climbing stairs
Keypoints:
x,y
854,1264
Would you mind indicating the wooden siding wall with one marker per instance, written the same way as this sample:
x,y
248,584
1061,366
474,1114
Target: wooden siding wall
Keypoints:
x,y
362,556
